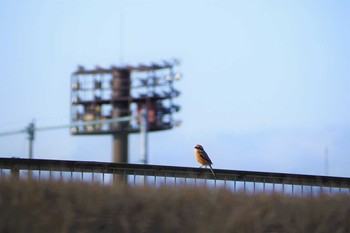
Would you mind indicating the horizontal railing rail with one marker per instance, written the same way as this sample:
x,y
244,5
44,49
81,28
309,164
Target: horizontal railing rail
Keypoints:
x,y
16,165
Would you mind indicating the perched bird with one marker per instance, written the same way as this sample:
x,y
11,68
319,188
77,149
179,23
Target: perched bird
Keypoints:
x,y
203,158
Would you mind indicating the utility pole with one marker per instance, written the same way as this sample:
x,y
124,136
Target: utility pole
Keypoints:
x,y
30,130
326,162
144,136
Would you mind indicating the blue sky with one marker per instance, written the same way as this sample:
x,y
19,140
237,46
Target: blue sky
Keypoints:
x,y
266,83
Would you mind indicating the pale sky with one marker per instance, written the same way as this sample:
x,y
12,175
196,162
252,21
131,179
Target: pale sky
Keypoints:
x,y
266,84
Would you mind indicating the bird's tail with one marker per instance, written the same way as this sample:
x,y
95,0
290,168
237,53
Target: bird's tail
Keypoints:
x,y
212,171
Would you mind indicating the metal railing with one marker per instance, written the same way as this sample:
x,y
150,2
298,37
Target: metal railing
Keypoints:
x,y
158,176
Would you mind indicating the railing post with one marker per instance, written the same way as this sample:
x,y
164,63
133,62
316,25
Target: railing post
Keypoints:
x,y
120,177
15,172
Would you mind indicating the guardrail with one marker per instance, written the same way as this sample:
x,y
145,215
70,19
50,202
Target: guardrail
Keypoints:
x,y
157,176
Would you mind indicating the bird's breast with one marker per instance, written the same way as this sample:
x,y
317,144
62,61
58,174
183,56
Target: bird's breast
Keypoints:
x,y
200,158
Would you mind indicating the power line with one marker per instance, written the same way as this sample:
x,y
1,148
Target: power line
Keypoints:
x,y
97,122
105,121
31,129
12,133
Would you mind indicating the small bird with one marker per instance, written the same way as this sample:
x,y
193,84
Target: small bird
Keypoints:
x,y
203,158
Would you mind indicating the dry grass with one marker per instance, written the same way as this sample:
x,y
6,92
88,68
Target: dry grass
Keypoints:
x,y
74,207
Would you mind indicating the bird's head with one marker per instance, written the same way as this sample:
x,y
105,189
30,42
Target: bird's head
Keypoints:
x,y
199,147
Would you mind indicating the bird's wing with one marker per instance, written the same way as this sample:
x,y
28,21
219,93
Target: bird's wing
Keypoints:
x,y
204,155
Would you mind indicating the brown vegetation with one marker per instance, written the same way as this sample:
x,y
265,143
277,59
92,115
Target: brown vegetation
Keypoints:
x,y
27,207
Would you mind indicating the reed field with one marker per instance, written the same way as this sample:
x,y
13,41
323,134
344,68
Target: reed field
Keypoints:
x,y
43,207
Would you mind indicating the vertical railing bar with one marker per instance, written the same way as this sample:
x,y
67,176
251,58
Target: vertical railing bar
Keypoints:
x,y
282,186
61,175
39,174
225,182
175,179
15,171
134,178
302,189
26,170
155,179
29,175
125,177
292,189
254,185
235,185
93,175
82,176
102,172
244,185
264,185
30,172
100,175
71,175
114,178
185,179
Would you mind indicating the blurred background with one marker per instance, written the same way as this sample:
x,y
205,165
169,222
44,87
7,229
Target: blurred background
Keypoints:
x,y
265,83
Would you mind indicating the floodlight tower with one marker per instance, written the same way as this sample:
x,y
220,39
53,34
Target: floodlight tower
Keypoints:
x,y
144,93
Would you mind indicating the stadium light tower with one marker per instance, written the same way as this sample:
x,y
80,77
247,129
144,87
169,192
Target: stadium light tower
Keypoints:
x,y
145,93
